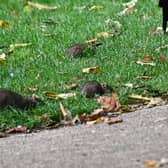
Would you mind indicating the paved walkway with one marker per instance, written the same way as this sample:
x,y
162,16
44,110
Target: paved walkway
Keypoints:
x,y
142,136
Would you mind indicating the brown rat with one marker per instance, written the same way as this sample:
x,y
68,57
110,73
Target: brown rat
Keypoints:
x,y
78,50
9,98
92,88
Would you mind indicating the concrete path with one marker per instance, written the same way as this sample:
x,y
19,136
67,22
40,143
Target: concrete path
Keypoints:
x,y
142,136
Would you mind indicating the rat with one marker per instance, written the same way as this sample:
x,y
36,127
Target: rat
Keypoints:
x,y
9,98
91,89
164,5
77,51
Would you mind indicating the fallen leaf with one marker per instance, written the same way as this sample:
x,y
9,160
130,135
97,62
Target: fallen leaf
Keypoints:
x,y
18,129
98,120
19,45
3,58
93,116
162,48
163,58
152,100
66,113
60,124
144,77
128,10
109,103
91,70
158,30
45,117
91,41
113,120
96,7
148,57
152,163
40,6
66,95
115,26
50,94
33,89
105,34
129,85
71,86
130,3
5,24
146,63
3,135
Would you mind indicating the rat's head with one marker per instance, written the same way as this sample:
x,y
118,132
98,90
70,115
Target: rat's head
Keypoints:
x,y
106,88
32,101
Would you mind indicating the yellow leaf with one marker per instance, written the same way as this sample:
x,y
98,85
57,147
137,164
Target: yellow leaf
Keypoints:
x,y
91,70
105,34
5,24
146,63
66,113
91,41
152,100
152,163
128,10
50,94
40,6
98,120
54,95
3,58
19,45
96,7
27,8
65,95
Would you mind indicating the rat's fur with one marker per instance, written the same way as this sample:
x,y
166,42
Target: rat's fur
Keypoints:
x,y
92,88
12,99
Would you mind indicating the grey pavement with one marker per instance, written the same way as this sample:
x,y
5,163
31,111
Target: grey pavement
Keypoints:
x,y
142,136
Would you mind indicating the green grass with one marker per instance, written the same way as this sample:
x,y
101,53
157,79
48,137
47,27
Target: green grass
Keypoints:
x,y
116,57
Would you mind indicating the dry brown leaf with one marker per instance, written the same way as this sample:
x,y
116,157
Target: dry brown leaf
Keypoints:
x,y
91,70
5,24
98,120
163,58
3,135
148,57
45,117
113,120
152,163
93,116
40,6
66,113
146,63
130,9
109,103
18,129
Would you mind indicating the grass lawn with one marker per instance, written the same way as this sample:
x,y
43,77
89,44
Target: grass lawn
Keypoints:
x,y
44,65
